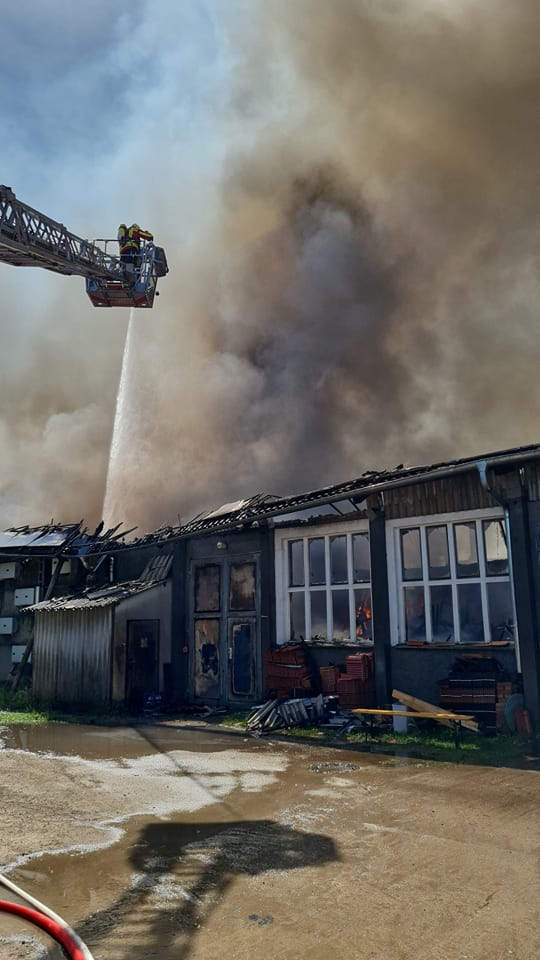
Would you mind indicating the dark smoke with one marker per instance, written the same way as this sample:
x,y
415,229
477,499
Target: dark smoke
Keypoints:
x,y
355,281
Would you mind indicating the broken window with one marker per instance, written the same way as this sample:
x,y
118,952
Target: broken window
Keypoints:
x,y
326,604
466,550
297,615
411,556
415,616
340,615
338,560
207,588
437,546
318,615
296,563
317,566
361,563
242,586
496,548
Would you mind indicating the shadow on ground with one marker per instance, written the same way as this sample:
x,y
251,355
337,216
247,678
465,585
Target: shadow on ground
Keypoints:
x,y
181,873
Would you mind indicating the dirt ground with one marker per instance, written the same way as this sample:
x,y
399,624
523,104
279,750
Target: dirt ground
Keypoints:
x,y
177,841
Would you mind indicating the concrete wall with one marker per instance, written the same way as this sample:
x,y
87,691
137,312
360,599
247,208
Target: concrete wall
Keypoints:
x,y
416,670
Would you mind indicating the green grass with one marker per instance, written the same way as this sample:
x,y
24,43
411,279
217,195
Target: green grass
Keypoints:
x,y
18,707
231,720
433,745
499,750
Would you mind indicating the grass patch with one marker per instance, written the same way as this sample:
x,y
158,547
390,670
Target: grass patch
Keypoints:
x,y
499,750
232,720
17,706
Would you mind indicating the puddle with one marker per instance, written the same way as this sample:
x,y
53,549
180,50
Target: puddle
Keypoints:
x,y
103,743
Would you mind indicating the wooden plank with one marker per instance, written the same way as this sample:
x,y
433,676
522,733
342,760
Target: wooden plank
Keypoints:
x,y
422,705
414,714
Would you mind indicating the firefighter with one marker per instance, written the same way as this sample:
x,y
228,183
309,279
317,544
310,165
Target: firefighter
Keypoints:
x,y
127,245
135,235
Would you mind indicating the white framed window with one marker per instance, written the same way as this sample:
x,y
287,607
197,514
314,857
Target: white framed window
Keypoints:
x,y
450,579
323,587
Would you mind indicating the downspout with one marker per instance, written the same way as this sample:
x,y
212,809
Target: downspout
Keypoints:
x,y
482,467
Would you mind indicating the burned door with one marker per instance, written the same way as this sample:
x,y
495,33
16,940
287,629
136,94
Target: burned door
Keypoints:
x,y
207,624
225,630
142,661
241,629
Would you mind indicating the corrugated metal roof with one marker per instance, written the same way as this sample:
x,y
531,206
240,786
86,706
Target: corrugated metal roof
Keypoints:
x,y
158,568
97,598
155,572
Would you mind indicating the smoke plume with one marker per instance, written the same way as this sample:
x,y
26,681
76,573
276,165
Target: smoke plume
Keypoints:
x,y
348,195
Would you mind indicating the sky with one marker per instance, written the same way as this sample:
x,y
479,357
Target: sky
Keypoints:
x,y
348,198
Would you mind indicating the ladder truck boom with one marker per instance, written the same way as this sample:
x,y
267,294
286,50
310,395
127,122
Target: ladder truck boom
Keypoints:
x,y
30,239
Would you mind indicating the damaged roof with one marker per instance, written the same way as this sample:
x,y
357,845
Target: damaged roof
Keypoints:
x,y
261,507
155,573
53,539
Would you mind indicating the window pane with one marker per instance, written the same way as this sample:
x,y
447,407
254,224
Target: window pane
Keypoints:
x,y
207,588
360,546
296,563
466,550
362,605
501,613
298,616
470,613
437,543
318,614
442,614
317,573
340,615
242,586
415,615
496,550
411,557
338,560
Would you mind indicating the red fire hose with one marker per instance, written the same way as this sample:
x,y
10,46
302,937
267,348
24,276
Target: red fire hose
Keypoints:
x,y
54,929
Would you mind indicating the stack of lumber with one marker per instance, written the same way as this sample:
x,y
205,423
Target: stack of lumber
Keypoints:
x,y
276,714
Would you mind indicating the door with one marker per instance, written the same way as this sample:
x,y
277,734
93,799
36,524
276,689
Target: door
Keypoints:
x,y
142,661
225,630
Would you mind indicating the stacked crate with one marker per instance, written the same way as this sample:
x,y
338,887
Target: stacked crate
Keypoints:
x,y
329,679
356,687
287,672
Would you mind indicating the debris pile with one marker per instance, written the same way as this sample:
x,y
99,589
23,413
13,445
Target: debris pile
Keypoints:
x,y
276,714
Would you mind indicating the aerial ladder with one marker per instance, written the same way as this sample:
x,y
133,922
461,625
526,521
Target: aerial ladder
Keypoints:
x,y
30,239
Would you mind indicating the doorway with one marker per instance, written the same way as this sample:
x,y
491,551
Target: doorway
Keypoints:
x,y
142,661
225,629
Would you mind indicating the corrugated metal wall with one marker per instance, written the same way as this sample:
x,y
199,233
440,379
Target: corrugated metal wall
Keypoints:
x,y
72,657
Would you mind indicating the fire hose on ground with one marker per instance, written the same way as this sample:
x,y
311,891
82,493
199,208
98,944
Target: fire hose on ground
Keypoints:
x,y
42,916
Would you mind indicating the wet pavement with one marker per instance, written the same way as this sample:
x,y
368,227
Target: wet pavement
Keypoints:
x,y
180,841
